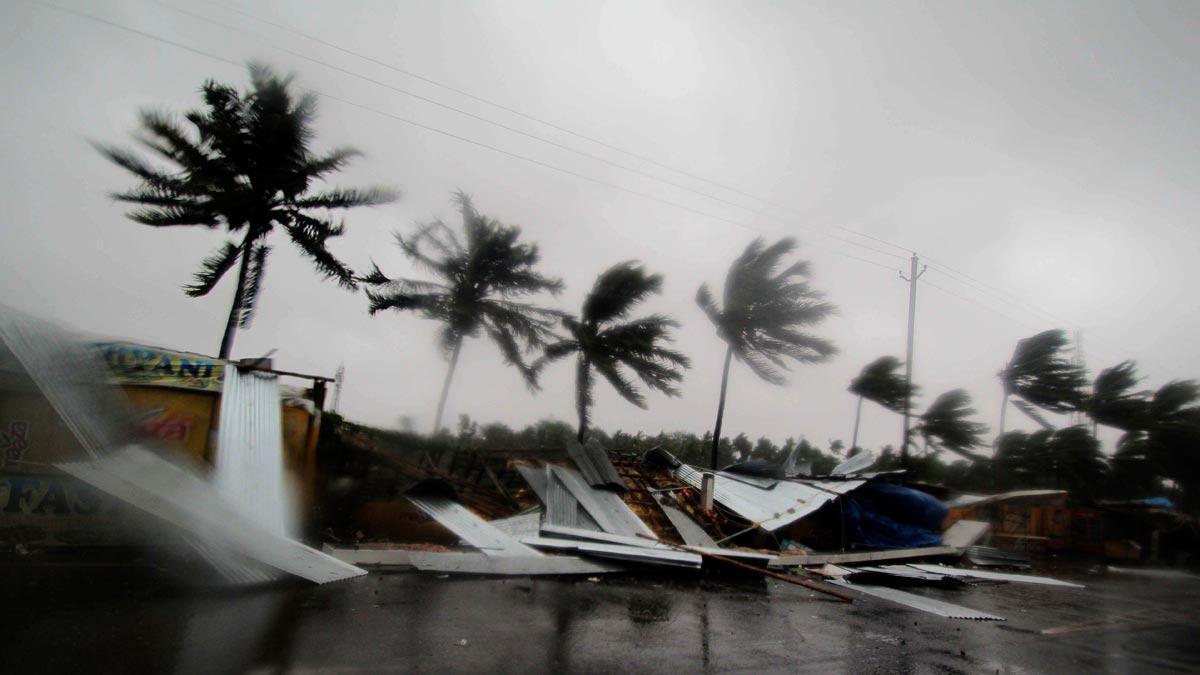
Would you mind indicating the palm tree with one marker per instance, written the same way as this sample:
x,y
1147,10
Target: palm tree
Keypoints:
x,y
1173,439
480,279
243,163
762,316
1042,375
606,341
880,382
946,425
1114,402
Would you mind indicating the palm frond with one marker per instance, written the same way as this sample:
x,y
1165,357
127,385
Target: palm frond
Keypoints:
x,y
617,290
880,381
346,198
254,277
1040,373
764,309
309,234
946,424
611,371
212,269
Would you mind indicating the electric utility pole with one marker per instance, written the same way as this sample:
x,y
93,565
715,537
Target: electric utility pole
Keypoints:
x,y
912,277
337,386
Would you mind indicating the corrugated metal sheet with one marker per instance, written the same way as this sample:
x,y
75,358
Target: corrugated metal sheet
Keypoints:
x,y
856,464
985,574
692,534
593,462
919,602
658,555
536,478
171,493
469,527
521,525
787,502
608,510
249,462
561,507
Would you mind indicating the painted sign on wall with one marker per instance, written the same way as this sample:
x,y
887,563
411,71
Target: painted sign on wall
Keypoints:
x,y
137,364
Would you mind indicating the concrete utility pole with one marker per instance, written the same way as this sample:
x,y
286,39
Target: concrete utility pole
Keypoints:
x,y
337,386
912,277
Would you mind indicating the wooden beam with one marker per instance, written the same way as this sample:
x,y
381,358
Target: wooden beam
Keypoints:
x,y
865,556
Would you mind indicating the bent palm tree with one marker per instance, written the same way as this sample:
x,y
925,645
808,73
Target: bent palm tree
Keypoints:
x,y
1042,375
243,164
946,425
608,343
880,382
762,314
479,279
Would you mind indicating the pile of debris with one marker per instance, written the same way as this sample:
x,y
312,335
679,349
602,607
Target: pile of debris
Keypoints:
x,y
585,511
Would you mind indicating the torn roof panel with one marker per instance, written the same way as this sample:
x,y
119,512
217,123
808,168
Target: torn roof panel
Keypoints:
x,y
659,555
593,462
689,530
771,509
995,576
919,602
605,506
469,527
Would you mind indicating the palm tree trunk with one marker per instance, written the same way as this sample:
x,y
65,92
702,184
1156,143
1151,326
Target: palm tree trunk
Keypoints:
x,y
583,385
857,416
437,419
1003,409
716,442
239,295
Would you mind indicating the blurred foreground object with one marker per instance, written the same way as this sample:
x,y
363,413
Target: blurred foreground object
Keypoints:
x,y
229,530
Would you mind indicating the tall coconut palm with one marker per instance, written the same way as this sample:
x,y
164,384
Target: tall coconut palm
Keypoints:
x,y
1041,374
242,163
762,317
606,341
481,279
946,424
880,381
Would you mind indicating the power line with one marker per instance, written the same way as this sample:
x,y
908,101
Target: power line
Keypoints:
x,y
442,132
539,120
521,132
962,277
965,279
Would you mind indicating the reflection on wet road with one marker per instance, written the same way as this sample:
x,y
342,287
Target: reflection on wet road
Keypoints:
x,y
123,619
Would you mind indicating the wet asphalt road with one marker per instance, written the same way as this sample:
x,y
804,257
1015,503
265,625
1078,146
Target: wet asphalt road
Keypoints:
x,y
134,620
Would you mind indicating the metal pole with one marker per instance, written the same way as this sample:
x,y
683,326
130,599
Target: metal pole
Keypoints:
x,y
912,277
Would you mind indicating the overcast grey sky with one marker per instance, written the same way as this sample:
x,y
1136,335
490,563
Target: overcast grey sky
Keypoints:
x,y
1048,150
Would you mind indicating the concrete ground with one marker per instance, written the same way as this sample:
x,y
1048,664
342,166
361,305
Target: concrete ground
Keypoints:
x,y
120,619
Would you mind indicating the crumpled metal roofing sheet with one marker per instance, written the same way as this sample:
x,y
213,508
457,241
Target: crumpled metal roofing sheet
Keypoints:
x,y
787,502
152,484
606,507
919,602
469,527
692,534
660,555
997,576
594,464
521,525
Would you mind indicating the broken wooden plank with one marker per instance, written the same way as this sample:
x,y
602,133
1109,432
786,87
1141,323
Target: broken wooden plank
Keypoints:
x,y
786,560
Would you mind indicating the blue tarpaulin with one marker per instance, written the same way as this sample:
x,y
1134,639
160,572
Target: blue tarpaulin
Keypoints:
x,y
882,515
